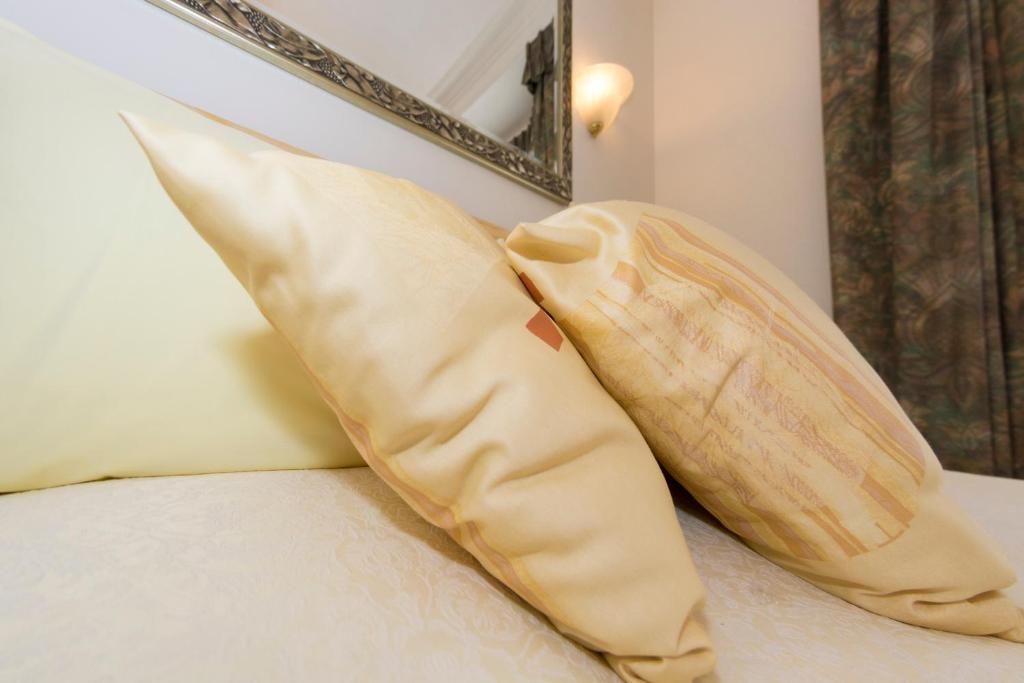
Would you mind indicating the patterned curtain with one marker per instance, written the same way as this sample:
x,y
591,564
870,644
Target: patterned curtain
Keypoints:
x,y
924,139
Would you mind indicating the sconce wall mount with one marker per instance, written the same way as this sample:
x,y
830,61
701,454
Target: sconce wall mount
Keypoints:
x,y
600,91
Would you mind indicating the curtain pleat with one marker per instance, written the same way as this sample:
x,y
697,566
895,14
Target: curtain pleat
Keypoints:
x,y
923,103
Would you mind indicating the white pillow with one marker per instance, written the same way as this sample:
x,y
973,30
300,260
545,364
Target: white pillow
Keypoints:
x,y
127,349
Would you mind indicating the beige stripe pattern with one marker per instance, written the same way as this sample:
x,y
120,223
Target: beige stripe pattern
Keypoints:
x,y
764,417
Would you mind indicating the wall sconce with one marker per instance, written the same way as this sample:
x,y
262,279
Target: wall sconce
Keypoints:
x,y
600,91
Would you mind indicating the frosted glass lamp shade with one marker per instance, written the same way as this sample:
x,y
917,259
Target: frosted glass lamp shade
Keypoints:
x,y
599,93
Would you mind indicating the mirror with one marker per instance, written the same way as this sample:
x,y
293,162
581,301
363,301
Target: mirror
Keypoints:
x,y
488,79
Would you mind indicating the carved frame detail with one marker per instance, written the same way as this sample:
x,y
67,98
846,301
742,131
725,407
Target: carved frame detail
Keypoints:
x,y
262,35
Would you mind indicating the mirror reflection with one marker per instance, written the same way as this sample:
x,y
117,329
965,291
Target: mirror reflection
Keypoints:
x,y
491,63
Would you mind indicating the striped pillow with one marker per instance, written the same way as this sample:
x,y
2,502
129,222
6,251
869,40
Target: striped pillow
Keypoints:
x,y
754,400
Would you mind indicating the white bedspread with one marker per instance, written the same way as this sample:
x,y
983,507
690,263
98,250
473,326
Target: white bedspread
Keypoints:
x,y
325,575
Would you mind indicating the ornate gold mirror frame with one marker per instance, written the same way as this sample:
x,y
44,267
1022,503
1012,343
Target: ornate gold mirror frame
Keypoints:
x,y
262,35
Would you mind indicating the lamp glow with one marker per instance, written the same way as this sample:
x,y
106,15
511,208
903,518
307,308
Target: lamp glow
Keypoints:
x,y
600,91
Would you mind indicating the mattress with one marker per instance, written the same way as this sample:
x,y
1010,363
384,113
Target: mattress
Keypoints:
x,y
326,575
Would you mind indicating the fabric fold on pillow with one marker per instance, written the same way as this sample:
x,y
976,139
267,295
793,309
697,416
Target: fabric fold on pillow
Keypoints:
x,y
456,388
754,400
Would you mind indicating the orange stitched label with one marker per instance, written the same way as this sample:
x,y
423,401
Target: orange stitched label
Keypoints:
x,y
545,330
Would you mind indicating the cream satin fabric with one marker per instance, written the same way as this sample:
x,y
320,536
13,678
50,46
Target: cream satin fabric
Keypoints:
x,y
457,389
755,401
126,349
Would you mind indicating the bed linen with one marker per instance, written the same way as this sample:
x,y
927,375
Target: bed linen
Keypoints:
x,y
326,575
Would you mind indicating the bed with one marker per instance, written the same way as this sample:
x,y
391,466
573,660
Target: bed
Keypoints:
x,y
326,575
301,572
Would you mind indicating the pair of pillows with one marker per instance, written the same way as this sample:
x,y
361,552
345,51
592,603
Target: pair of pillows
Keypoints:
x,y
465,397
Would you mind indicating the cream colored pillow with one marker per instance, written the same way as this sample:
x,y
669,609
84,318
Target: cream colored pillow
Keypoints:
x,y
126,349
457,389
756,402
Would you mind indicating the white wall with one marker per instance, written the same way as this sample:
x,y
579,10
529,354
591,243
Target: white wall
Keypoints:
x,y
149,46
619,163
738,132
